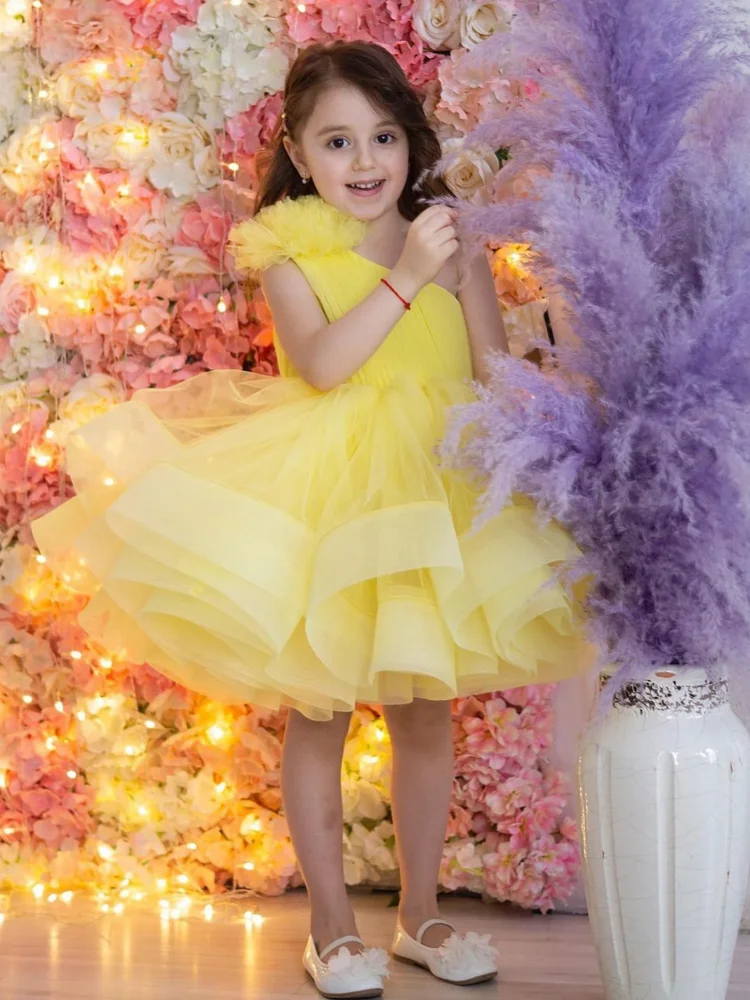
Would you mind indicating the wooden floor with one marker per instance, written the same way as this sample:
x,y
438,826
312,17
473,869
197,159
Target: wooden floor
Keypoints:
x,y
138,956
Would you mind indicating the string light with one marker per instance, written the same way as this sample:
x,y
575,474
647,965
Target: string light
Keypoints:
x,y
72,774
41,458
59,706
100,67
16,428
105,663
43,311
43,95
76,654
28,265
116,271
222,306
249,866
216,734
27,699
38,891
109,481
105,852
140,328
150,724
123,190
234,167
54,281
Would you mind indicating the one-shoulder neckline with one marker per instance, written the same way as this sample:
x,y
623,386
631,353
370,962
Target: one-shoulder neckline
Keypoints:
x,y
431,284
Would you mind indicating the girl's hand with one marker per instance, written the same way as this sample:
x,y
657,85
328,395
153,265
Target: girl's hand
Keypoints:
x,y
430,242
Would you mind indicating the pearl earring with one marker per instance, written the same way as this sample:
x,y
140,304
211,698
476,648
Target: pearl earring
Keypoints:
x,y
305,178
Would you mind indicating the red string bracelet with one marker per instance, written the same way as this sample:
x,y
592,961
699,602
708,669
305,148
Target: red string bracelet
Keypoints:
x,y
404,302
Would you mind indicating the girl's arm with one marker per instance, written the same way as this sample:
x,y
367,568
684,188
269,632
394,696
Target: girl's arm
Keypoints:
x,y
484,320
327,354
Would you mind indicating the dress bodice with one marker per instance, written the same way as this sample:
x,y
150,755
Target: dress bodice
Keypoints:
x,y
429,341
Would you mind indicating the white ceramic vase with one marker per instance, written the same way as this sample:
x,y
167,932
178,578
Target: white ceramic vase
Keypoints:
x,y
664,786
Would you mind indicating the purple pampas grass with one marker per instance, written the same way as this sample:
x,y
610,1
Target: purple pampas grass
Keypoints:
x,y
638,154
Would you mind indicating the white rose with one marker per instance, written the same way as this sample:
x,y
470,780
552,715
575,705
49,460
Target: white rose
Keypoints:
x,y
437,24
469,170
482,19
12,398
115,145
182,156
89,398
142,253
188,262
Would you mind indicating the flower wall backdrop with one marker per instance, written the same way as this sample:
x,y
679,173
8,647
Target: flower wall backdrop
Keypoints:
x,y
128,135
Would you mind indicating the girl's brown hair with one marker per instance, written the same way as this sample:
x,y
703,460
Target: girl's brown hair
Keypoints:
x,y
376,73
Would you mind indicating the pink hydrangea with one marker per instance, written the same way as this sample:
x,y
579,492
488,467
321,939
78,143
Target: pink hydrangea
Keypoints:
x,y
387,22
82,29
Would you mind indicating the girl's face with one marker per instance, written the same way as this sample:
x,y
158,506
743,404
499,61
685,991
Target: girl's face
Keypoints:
x,y
357,157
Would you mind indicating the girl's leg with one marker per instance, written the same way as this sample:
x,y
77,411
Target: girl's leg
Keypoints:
x,y
311,786
422,740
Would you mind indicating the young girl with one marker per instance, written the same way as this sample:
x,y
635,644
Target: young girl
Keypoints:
x,y
294,541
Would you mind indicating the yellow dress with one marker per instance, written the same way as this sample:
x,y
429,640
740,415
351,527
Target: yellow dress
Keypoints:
x,y
260,541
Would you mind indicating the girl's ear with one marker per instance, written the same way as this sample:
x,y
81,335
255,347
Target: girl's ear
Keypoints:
x,y
296,157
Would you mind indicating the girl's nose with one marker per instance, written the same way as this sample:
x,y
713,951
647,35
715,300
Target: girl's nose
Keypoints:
x,y
364,160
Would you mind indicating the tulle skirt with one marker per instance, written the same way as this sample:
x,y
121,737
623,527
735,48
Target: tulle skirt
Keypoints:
x,y
259,541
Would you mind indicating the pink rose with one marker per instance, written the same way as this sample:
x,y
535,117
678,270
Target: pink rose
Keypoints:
x,y
16,299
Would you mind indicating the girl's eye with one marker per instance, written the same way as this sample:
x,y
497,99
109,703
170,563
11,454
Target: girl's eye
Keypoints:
x,y
338,143
385,138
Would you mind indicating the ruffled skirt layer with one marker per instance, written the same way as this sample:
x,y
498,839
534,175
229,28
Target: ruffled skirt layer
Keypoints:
x,y
262,542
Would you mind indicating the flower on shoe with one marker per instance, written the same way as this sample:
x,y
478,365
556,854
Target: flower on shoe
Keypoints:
x,y
462,952
370,962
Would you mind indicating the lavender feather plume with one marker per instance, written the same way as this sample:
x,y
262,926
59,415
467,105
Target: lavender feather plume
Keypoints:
x,y
638,441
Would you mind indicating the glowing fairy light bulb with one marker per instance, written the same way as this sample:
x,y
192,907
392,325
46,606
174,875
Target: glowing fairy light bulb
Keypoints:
x,y
301,7
249,866
234,167
43,94
514,258
192,847
216,733
37,4
140,328
221,788
49,144
116,271
49,434
221,307
28,265
72,774
43,158
81,716
38,891
54,281
67,897
128,137
82,304
183,879
105,663
123,190
369,758
43,311
105,852
100,67
119,907
41,458
76,654
142,811
150,724
9,831
50,742
161,884
27,699
208,912
109,481
16,428
52,898
59,707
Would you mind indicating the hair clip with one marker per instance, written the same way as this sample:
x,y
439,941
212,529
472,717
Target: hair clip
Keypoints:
x,y
283,122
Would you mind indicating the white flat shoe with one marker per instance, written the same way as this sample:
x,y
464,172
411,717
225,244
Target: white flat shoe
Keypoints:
x,y
463,959
346,976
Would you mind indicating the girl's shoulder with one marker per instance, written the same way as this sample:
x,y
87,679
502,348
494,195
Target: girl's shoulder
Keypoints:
x,y
292,228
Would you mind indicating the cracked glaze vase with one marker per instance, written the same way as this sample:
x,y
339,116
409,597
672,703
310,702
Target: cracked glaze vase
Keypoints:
x,y
664,797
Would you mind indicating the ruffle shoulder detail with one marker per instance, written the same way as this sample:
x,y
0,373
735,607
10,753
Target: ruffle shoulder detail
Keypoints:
x,y
303,227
